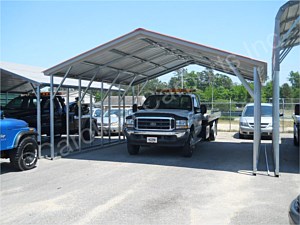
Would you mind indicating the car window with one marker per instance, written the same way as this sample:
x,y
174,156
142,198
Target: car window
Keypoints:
x,y
266,111
18,103
97,112
196,103
118,112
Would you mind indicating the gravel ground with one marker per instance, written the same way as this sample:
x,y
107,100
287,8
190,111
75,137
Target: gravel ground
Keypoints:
x,y
158,186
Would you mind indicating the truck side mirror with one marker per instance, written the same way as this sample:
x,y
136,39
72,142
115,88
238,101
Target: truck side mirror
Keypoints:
x,y
197,110
280,114
134,108
297,109
203,109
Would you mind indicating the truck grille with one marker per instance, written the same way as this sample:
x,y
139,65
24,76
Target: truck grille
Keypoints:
x,y
151,123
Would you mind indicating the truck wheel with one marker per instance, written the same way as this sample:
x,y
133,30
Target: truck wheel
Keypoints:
x,y
189,146
241,136
86,133
213,132
25,156
133,149
296,142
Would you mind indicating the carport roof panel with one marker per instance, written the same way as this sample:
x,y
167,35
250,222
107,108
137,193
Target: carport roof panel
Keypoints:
x,y
17,78
290,14
145,55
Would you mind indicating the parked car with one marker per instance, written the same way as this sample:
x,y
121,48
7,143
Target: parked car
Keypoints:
x,y
18,143
247,120
294,212
296,118
96,113
114,114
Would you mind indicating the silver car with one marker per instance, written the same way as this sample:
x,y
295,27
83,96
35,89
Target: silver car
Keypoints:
x,y
112,117
247,120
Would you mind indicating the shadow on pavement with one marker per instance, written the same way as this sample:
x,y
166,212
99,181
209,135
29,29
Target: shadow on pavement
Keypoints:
x,y
221,156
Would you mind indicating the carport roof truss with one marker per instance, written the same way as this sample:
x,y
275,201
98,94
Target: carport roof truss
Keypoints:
x,y
142,55
18,78
289,30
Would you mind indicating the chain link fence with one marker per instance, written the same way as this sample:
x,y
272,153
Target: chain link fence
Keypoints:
x,y
231,112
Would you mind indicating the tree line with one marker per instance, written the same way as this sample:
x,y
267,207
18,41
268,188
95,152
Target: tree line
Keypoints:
x,y
220,88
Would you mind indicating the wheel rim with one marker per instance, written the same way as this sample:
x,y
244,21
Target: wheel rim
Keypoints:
x,y
29,154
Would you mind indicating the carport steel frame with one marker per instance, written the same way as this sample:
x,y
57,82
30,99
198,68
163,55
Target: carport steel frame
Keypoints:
x,y
170,54
288,17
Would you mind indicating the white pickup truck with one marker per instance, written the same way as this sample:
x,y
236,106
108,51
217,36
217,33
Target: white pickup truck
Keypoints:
x,y
170,118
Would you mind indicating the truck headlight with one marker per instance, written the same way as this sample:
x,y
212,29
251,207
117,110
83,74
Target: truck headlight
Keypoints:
x,y
129,123
182,124
244,124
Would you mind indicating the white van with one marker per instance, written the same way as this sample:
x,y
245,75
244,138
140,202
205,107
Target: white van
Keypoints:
x,y
247,120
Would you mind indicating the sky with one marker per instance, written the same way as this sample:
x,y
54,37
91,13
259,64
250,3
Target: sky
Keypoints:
x,y
45,33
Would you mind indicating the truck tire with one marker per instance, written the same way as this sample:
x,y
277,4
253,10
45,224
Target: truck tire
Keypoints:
x,y
242,136
296,142
25,156
213,132
86,132
188,148
133,149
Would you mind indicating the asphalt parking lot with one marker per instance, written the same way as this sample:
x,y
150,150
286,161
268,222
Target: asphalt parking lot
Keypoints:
x,y
158,186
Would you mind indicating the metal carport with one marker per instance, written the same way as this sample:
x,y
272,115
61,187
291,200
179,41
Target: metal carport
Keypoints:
x,y
18,78
142,55
286,36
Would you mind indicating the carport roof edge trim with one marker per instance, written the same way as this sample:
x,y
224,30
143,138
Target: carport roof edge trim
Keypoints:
x,y
141,32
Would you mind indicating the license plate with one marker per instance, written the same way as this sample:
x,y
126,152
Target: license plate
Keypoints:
x,y
151,139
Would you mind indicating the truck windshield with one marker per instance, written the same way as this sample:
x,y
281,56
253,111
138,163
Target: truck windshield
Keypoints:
x,y
22,102
266,111
168,102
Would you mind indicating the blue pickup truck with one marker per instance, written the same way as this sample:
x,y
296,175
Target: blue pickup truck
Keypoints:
x,y
18,143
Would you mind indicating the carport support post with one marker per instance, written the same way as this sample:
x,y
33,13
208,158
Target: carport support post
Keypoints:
x,y
276,69
102,112
79,113
119,108
241,78
109,116
68,120
257,120
38,108
51,118
91,118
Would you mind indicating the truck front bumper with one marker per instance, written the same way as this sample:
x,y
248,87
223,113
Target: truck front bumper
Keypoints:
x,y
175,138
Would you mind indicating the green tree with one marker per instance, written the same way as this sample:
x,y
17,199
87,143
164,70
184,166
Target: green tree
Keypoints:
x,y
294,78
152,86
267,91
285,91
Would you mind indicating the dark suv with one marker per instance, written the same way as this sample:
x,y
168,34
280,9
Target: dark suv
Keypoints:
x,y
25,108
